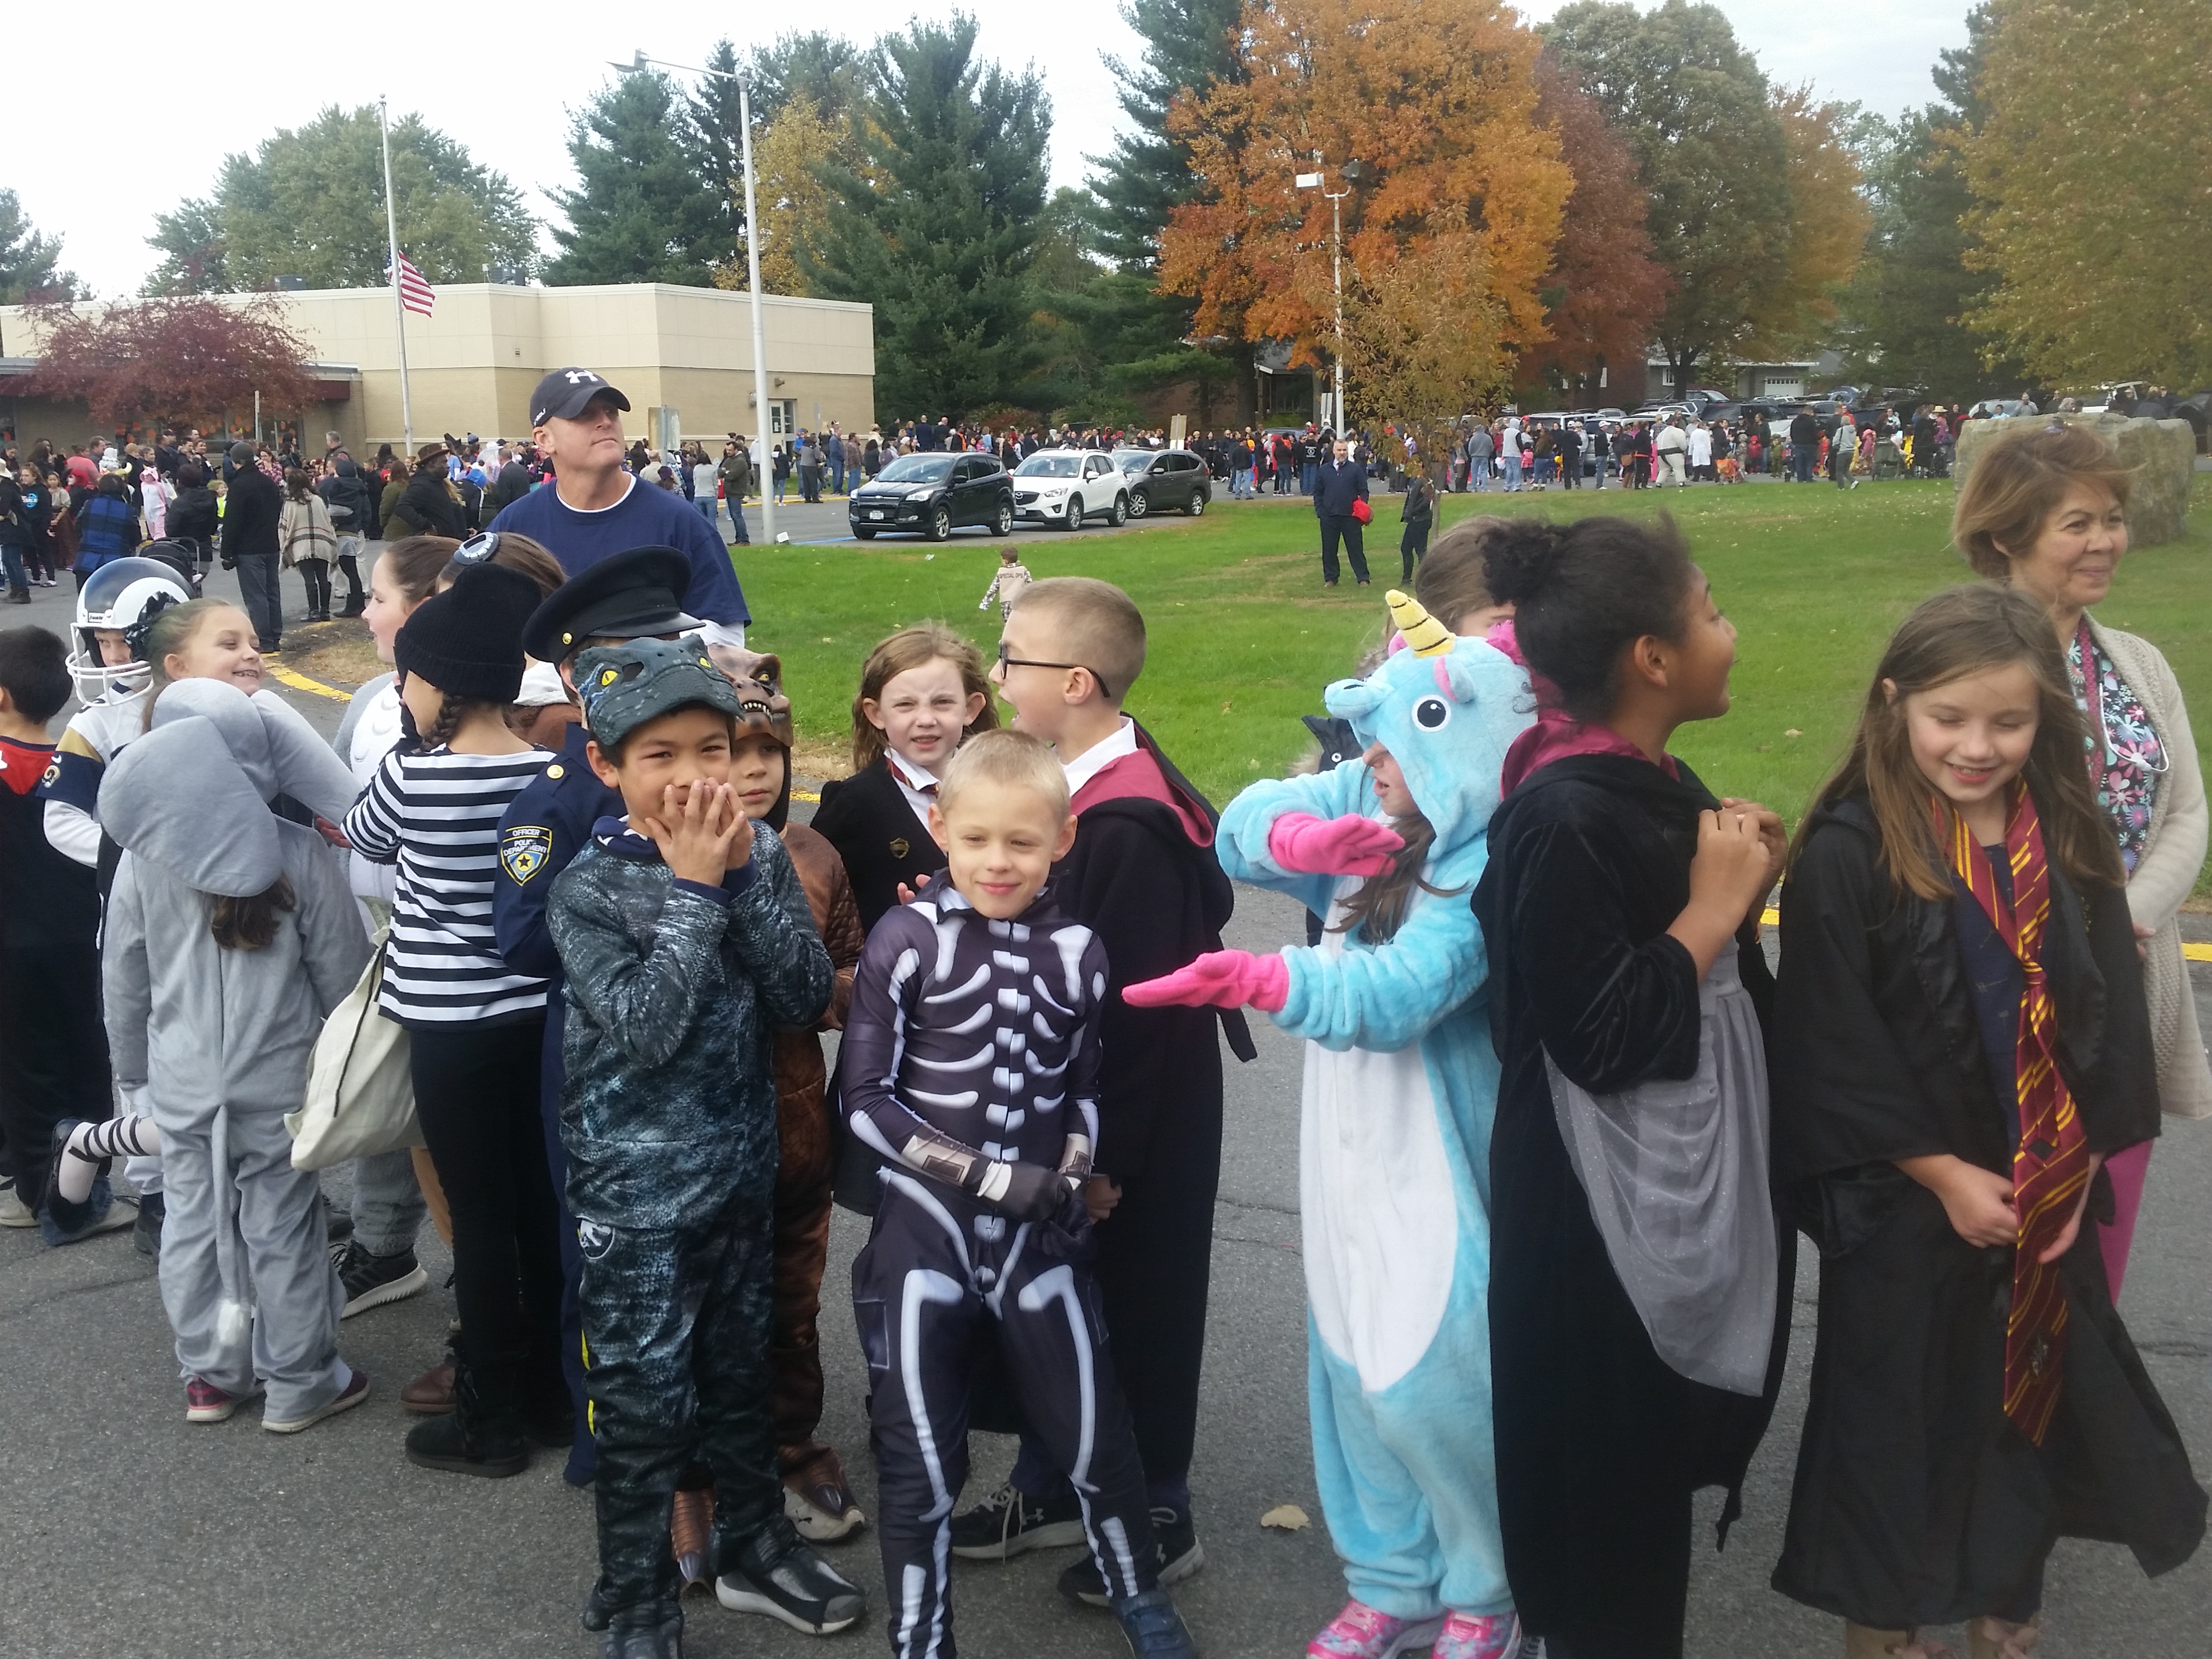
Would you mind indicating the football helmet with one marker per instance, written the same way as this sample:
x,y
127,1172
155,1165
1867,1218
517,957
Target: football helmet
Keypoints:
x,y
124,594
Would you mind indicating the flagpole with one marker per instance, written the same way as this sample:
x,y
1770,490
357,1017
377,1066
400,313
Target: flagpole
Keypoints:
x,y
398,311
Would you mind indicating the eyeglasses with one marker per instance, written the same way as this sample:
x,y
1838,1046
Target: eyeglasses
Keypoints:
x,y
478,549
1006,661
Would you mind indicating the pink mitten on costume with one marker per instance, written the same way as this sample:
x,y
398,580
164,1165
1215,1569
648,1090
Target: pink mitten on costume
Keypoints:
x,y
1349,846
1219,979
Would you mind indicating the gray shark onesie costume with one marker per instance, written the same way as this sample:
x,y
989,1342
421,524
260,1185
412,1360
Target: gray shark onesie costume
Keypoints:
x,y
215,1042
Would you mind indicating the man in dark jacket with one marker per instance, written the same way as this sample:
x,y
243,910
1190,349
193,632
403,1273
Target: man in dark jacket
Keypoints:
x,y
351,511
250,511
427,506
1337,485
1804,445
511,485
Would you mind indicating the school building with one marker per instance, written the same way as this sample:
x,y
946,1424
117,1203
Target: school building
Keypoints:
x,y
683,356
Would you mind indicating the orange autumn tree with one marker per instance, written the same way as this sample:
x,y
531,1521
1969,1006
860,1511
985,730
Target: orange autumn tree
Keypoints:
x,y
1436,99
1828,229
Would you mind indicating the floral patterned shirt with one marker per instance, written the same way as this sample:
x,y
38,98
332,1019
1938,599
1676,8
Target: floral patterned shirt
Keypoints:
x,y
2126,758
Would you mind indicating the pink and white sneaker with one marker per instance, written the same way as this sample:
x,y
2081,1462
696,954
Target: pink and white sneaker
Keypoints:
x,y
1494,1635
1364,1633
206,1403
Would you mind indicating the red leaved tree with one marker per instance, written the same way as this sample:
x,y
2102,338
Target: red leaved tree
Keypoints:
x,y
180,357
1604,288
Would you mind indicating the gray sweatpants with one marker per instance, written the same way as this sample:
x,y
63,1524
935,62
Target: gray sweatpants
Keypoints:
x,y
247,1278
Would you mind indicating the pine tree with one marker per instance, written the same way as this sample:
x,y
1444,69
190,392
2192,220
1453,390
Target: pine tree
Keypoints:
x,y
28,261
1189,44
940,233
643,214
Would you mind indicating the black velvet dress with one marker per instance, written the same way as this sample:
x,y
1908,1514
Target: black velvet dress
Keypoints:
x,y
1917,1502
1600,1443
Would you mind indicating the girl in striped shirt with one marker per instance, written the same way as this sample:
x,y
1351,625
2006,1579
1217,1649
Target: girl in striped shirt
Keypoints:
x,y
475,1025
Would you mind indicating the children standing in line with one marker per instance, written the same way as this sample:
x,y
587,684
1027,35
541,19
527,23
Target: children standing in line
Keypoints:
x,y
54,1049
1639,1281
1963,1039
1393,1167
1006,582
229,936
922,691
686,941
1142,875
474,1023
982,1216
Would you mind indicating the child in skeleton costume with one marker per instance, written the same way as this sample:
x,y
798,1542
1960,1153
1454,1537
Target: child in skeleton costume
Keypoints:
x,y
686,940
969,1065
1400,1087
230,935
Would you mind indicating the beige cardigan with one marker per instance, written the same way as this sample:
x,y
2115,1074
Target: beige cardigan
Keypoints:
x,y
2164,875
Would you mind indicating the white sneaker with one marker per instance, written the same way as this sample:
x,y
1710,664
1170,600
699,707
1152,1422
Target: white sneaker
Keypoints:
x,y
14,1212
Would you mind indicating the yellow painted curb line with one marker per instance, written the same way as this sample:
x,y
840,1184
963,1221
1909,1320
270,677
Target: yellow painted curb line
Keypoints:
x,y
2189,952
806,795
299,682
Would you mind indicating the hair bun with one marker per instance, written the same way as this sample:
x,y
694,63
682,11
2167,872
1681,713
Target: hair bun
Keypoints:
x,y
1519,558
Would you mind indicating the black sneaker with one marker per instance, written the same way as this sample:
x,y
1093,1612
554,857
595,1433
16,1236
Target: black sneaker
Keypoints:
x,y
777,1572
146,1231
1175,1538
1007,1524
1153,1627
372,1280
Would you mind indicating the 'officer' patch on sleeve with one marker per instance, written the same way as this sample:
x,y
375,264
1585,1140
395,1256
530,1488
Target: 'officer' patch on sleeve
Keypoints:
x,y
524,849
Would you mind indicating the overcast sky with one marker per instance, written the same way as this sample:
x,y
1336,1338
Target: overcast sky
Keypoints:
x,y
502,89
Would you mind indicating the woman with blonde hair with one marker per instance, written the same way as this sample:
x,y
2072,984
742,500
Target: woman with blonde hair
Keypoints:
x,y
2045,511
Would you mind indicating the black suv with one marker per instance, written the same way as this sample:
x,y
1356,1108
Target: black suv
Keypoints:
x,y
933,495
1163,478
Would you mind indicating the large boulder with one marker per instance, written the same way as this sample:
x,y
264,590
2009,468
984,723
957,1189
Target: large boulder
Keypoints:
x,y
2161,453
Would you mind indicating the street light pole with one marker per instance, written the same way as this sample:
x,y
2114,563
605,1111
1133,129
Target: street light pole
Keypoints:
x,y
752,274
1318,181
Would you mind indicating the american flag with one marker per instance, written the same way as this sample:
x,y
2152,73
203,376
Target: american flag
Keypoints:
x,y
415,292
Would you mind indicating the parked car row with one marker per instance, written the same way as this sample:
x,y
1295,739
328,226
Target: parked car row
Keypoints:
x,y
933,495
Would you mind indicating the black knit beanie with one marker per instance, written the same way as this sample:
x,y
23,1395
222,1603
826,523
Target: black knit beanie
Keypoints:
x,y
467,640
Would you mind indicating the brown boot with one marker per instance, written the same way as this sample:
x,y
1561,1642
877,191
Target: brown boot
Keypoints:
x,y
2000,1639
430,1394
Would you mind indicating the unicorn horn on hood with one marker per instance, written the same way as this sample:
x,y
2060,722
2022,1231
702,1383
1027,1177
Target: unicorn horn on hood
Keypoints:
x,y
1424,635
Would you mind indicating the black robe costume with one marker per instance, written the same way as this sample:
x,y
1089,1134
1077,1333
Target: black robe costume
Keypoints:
x,y
1917,1502
869,820
1600,1443
1143,875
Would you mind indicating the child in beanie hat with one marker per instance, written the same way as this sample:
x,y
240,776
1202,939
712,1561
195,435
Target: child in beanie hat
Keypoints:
x,y
467,640
476,1025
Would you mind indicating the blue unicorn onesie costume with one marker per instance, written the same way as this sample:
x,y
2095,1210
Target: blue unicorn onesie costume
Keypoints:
x,y
1400,1088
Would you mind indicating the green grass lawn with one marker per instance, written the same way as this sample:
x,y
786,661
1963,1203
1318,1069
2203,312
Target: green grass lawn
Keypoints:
x,y
1243,638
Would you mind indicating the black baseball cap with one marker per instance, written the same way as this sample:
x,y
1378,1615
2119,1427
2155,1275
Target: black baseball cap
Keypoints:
x,y
562,394
634,595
